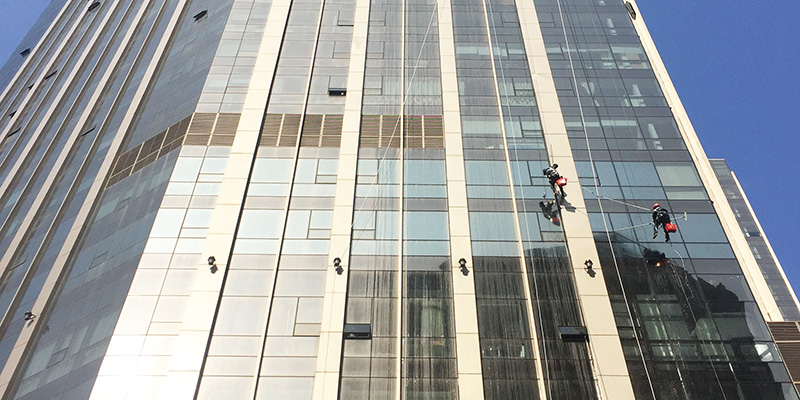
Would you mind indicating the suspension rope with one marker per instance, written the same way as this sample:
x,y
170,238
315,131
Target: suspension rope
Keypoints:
x,y
597,189
609,198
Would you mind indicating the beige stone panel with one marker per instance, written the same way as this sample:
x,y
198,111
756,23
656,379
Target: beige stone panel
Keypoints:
x,y
118,365
558,147
152,365
466,308
135,315
164,328
469,362
345,190
186,356
609,360
253,103
578,224
617,387
179,385
147,282
158,345
586,284
449,96
452,120
552,123
145,387
195,320
463,285
125,345
540,66
470,387
598,315
109,387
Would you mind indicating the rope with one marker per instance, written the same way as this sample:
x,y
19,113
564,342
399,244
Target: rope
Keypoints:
x,y
597,188
609,198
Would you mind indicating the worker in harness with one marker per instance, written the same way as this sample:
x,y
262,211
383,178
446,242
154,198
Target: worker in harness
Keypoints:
x,y
555,179
661,219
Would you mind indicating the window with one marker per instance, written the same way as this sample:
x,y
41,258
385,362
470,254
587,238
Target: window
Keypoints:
x,y
200,15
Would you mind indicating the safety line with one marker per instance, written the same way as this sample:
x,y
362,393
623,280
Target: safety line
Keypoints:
x,y
609,198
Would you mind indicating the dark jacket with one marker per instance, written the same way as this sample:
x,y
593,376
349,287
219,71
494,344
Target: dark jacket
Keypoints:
x,y
660,215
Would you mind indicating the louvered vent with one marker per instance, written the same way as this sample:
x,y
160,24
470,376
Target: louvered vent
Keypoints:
x,y
787,338
419,131
319,130
152,149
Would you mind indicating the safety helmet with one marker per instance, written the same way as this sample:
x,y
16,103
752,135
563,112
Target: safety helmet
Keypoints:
x,y
656,206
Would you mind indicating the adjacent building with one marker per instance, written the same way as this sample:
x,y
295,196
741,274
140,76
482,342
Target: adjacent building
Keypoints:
x,y
344,199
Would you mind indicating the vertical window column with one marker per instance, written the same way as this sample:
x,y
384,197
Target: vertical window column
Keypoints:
x,y
470,376
205,295
592,295
329,349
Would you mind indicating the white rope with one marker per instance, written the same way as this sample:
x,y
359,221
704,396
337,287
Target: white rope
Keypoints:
x,y
609,198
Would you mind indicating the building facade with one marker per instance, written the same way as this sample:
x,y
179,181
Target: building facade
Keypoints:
x,y
344,199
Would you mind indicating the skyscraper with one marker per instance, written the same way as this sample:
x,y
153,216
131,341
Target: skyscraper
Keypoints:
x,y
345,199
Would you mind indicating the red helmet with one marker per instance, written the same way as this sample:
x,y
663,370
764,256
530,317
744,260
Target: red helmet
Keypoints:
x,y
656,205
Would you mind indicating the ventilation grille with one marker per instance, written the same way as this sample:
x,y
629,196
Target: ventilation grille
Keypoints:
x,y
319,130
209,129
152,149
419,131
787,338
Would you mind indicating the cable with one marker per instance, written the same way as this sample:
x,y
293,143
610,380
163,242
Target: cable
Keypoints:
x,y
609,198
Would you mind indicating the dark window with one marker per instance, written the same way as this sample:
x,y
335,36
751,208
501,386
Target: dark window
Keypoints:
x,y
200,15
50,75
88,130
94,6
631,11
25,52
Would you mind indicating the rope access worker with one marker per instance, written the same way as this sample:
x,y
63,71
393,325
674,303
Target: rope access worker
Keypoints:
x,y
661,219
553,176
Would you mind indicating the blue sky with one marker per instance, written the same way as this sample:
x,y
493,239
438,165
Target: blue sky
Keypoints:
x,y
735,65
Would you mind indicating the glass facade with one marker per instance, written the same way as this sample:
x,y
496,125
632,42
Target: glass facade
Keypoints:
x,y
318,199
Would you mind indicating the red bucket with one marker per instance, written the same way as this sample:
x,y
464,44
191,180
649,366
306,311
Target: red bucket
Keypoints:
x,y
561,182
671,228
